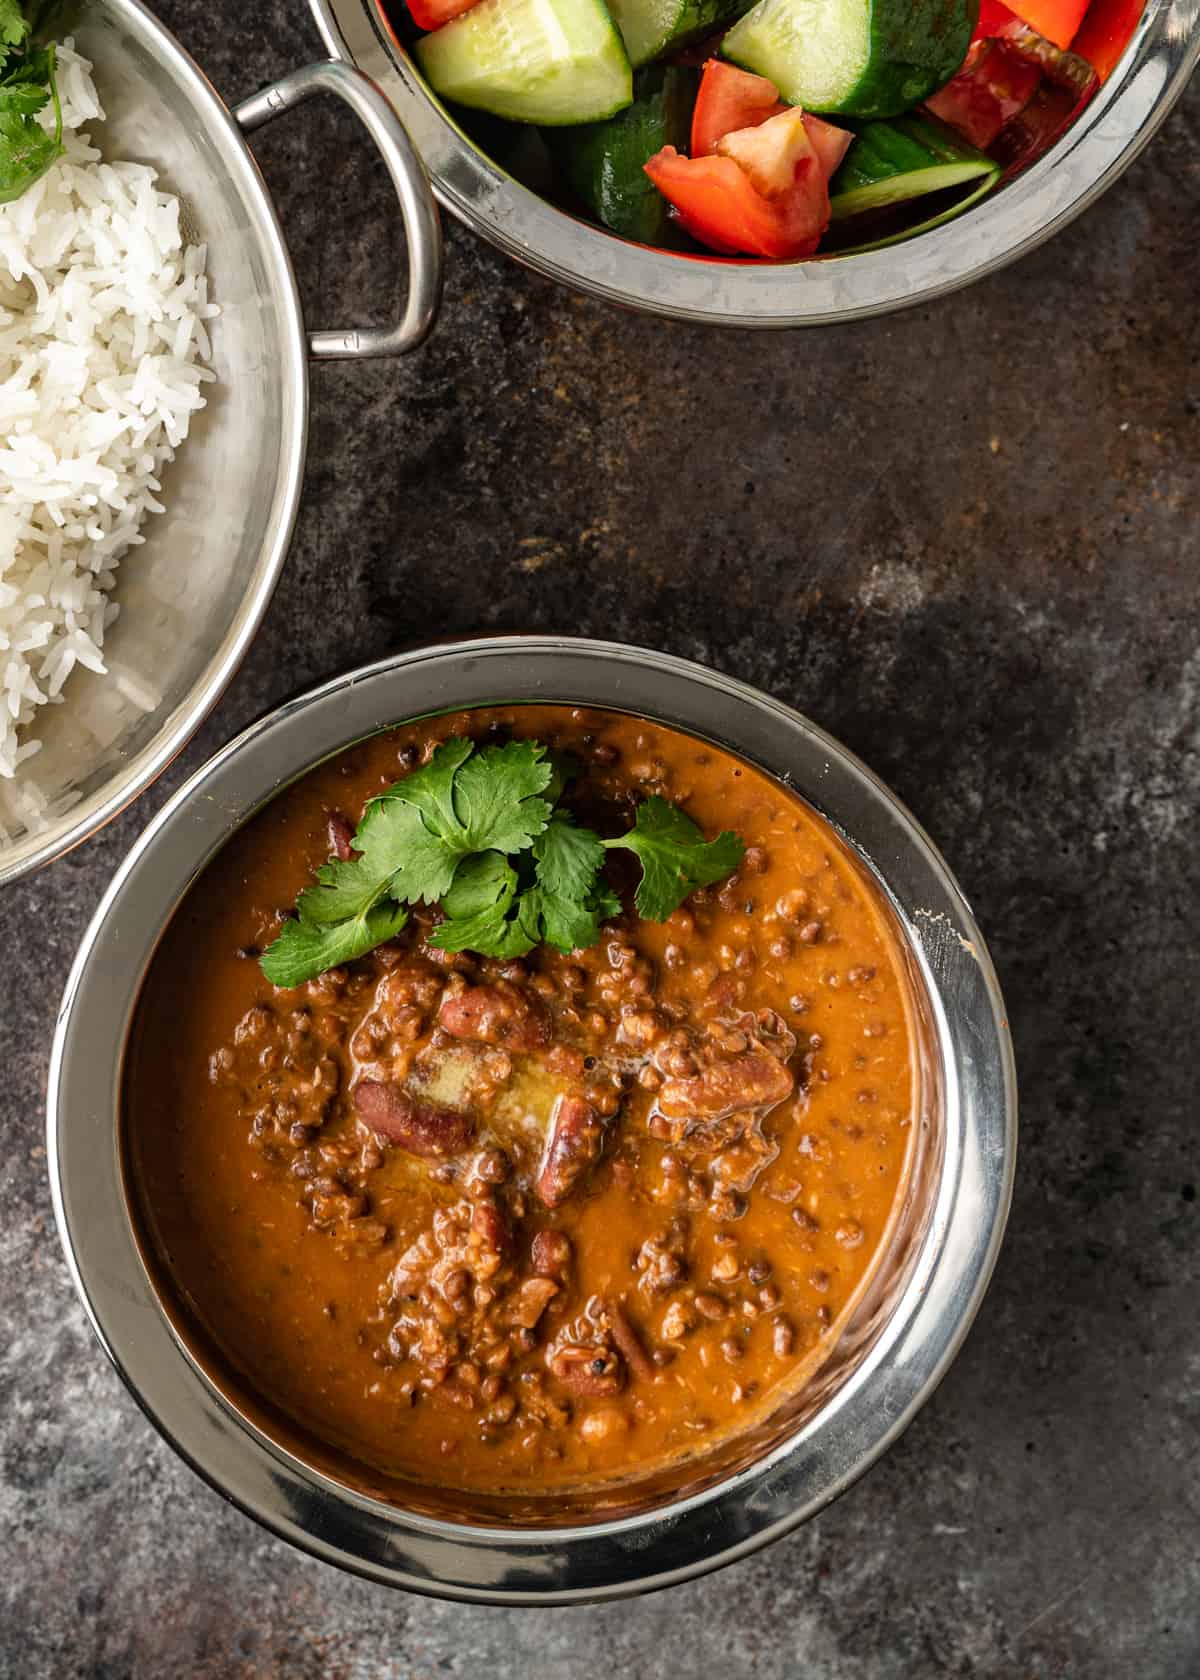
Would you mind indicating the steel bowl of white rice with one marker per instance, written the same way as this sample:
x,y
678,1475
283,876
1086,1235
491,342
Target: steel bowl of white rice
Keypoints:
x,y
153,415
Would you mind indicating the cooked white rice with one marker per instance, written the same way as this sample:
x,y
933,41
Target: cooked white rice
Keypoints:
x,y
102,358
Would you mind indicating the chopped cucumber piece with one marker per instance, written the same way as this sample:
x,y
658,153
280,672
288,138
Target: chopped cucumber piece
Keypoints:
x,y
604,163
892,227
868,58
534,61
892,162
651,28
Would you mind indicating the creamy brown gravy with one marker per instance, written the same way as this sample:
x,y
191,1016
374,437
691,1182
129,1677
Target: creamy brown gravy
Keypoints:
x,y
708,1268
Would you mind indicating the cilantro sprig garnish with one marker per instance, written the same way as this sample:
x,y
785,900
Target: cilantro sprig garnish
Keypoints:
x,y
480,832
27,86
675,857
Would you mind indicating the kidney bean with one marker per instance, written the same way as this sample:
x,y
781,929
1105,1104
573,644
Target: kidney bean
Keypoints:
x,y
628,1343
492,1167
530,1301
341,835
711,1306
603,1424
490,1225
677,1321
755,1079
591,1372
550,1254
499,1014
420,1128
573,1147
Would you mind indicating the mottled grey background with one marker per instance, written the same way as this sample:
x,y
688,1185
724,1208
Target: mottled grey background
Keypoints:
x,y
965,541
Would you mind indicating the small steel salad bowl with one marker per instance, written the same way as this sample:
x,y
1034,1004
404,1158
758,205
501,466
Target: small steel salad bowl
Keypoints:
x,y
1100,144
910,1318
193,595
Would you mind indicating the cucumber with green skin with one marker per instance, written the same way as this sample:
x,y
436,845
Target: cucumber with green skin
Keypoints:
x,y
892,162
876,232
604,163
652,28
535,61
866,58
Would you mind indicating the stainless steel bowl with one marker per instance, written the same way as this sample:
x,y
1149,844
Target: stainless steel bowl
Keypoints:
x,y
1103,142
908,1325
192,597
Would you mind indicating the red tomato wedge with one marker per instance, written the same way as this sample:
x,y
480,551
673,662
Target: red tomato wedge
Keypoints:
x,y
1101,37
830,144
1053,20
994,84
730,99
717,204
994,18
1105,33
775,154
432,14
766,193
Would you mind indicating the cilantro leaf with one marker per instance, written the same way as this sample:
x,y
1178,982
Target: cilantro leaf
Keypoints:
x,y
560,922
14,29
567,858
27,150
344,890
564,767
478,909
459,813
487,911
344,916
464,801
26,153
304,948
496,797
476,831
675,857
31,65
22,99
605,902
570,899
394,839
431,788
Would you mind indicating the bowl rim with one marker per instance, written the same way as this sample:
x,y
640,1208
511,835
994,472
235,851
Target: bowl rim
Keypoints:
x,y
697,1532
77,824
1099,146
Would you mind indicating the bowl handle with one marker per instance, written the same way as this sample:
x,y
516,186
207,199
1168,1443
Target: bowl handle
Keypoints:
x,y
422,227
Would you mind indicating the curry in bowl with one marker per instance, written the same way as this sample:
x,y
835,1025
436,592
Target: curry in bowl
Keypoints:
x,y
520,1103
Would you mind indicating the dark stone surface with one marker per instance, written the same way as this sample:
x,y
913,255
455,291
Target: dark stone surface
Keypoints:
x,y
964,540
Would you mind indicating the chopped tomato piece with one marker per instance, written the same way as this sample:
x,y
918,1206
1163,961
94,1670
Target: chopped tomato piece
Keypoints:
x,y
432,14
771,153
994,84
757,181
830,144
1054,20
1017,93
1105,33
730,99
994,18
1068,83
718,204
